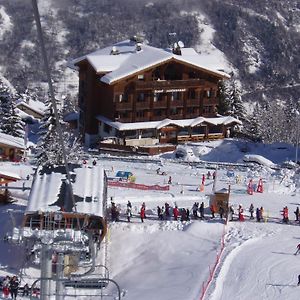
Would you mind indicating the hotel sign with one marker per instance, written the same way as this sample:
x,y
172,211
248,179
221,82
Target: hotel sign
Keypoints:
x,y
169,91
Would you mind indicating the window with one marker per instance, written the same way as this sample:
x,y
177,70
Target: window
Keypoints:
x,y
141,77
175,96
141,97
140,113
158,97
158,112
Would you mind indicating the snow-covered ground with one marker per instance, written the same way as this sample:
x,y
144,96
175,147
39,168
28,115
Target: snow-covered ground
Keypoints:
x,y
172,259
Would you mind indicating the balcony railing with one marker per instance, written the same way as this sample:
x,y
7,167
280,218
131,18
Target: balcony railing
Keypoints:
x,y
143,104
160,104
169,84
192,102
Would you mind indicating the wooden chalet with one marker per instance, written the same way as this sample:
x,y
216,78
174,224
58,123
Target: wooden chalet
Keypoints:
x,y
132,91
11,148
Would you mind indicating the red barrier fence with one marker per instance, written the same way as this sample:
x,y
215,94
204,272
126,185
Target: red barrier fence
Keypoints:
x,y
205,285
132,185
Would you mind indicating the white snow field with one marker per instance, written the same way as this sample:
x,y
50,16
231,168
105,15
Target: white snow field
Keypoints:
x,y
174,260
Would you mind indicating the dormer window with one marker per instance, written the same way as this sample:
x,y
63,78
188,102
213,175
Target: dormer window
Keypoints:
x,y
141,77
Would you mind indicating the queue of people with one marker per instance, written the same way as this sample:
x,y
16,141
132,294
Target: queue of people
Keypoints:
x,y
11,288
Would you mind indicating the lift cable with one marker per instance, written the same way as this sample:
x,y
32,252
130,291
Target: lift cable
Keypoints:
x,y
53,102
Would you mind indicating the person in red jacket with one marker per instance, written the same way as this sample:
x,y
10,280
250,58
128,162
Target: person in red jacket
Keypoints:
x,y
143,212
175,213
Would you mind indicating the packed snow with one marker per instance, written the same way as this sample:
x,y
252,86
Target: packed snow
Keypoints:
x,y
168,259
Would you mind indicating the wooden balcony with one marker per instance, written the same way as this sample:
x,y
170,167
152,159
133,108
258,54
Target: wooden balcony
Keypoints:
x,y
160,104
168,84
123,106
176,103
143,104
210,101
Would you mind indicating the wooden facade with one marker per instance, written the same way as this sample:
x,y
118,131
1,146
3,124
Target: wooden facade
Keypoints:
x,y
172,89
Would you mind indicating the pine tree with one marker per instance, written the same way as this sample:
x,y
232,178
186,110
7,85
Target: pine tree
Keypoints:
x,y
10,122
224,103
49,150
236,107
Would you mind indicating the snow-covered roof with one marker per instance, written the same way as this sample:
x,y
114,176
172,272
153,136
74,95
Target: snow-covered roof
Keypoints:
x,y
49,190
129,60
12,141
34,105
10,175
225,120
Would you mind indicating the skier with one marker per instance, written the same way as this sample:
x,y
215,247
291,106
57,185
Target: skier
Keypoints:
x,y
298,279
175,213
251,210
221,212
261,213
183,215
162,212
298,249
201,210
94,162
128,213
130,207
285,214
5,287
187,214
203,179
297,214
170,180
143,212
159,215
167,211
195,209
241,214
257,214
114,212
14,286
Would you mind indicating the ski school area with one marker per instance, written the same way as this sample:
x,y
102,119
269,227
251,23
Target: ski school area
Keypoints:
x,y
205,258
191,257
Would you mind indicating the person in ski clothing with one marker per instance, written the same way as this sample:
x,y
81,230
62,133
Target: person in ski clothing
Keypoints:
x,y
201,210
203,179
128,213
114,212
187,214
5,287
159,214
143,212
221,212
298,279
170,180
183,214
130,207
257,214
175,213
285,215
231,213
14,286
296,212
167,210
261,213
251,210
212,210
162,212
298,249
241,214
195,210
